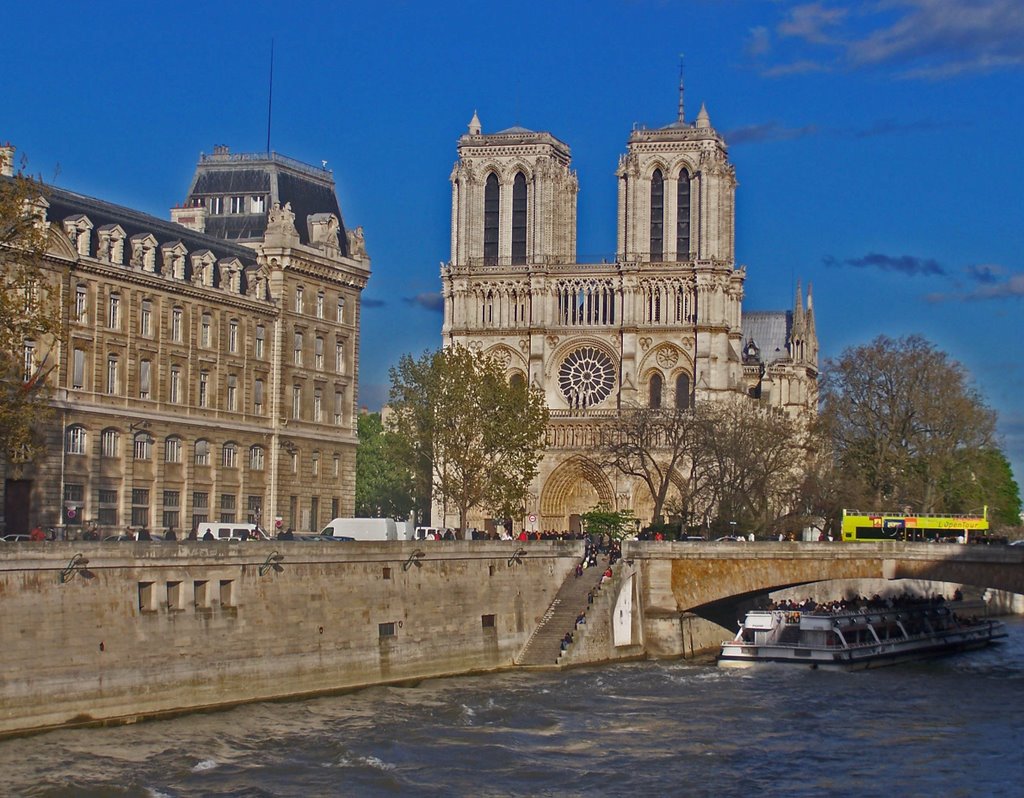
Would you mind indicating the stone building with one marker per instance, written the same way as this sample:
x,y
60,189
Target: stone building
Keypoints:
x,y
207,370
659,324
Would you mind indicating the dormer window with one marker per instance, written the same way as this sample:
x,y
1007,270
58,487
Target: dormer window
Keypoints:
x,y
238,204
144,252
216,205
258,204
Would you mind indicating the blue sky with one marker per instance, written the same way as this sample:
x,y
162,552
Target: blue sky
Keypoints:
x,y
876,143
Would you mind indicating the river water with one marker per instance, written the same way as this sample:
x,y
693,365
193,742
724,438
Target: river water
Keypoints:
x,y
948,727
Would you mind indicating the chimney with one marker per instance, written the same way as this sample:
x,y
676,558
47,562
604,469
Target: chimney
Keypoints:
x,y
192,218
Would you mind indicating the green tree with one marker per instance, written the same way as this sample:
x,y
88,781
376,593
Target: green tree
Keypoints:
x,y
614,523
473,436
384,480
907,427
991,483
30,316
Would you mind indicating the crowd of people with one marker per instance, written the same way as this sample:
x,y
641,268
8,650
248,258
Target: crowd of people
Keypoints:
x,y
858,602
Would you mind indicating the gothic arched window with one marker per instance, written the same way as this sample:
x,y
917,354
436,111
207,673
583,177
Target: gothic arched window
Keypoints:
x,y
655,392
657,215
517,382
683,216
491,208
682,391
519,219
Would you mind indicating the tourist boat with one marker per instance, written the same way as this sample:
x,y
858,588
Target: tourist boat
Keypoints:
x,y
856,639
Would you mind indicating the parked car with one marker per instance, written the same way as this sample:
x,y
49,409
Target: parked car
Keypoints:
x,y
15,538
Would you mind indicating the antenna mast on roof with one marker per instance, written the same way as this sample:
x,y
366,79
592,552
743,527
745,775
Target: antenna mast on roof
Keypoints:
x,y
681,119
270,94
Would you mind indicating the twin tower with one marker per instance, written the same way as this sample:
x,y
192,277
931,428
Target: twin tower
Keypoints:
x,y
661,324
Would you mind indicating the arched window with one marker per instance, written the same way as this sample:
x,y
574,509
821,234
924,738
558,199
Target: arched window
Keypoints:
x,y
229,456
202,452
256,458
491,208
172,450
683,216
143,446
654,401
517,382
109,443
682,391
519,219
74,440
657,215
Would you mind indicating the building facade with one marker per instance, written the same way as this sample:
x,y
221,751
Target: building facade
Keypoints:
x,y
207,370
661,324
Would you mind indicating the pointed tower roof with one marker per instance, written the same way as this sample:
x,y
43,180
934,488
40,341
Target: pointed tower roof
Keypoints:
x,y
703,120
798,312
474,125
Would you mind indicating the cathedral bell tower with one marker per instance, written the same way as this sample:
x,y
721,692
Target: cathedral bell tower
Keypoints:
x,y
513,199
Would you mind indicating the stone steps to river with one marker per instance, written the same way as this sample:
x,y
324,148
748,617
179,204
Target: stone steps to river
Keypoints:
x,y
545,644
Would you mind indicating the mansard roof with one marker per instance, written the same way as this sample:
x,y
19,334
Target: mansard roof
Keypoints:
x,y
770,331
309,190
64,204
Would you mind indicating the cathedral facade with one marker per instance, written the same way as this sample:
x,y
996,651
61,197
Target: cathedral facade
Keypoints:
x,y
660,325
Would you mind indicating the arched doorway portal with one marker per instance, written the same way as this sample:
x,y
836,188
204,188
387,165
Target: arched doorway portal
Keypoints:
x,y
573,488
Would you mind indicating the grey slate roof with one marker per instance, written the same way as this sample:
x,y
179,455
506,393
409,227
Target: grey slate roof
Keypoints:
x,y
769,330
307,188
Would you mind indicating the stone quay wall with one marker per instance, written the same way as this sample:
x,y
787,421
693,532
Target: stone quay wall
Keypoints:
x,y
115,632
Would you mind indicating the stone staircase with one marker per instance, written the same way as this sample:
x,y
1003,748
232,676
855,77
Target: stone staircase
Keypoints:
x,y
545,645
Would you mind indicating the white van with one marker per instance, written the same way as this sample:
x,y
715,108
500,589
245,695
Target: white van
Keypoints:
x,y
366,529
230,531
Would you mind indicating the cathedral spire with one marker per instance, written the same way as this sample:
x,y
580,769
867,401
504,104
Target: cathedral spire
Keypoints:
x,y
703,120
798,311
682,116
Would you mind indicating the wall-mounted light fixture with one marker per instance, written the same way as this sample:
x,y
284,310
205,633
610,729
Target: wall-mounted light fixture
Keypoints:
x,y
272,563
289,447
414,559
76,565
139,425
517,557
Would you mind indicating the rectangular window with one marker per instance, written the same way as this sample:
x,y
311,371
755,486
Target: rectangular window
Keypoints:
x,y
114,312
257,204
320,305
318,405
238,204
176,320
227,592
318,355
339,406
334,508
487,621
233,337
145,367
385,573
107,514
174,386
227,508
298,298
201,594
204,388
82,304
108,443
314,513
386,629
75,440
216,205
256,458
296,401
257,397
261,333
78,369
295,462
254,509
172,450
174,596
140,507
298,348
316,464
341,310
112,376
146,318
293,509
339,357
200,509
337,472
232,392
172,509
147,597
205,326
29,361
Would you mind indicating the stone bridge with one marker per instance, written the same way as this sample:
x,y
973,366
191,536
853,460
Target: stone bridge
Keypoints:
x,y
715,580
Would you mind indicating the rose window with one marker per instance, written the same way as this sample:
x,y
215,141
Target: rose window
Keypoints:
x,y
586,377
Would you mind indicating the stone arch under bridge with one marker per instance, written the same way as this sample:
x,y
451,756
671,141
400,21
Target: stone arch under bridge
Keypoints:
x,y
572,488
681,577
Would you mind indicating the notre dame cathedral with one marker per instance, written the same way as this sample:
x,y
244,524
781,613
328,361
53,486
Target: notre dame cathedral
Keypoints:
x,y
662,325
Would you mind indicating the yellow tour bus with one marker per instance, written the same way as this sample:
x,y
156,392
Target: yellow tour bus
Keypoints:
x,y
876,526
